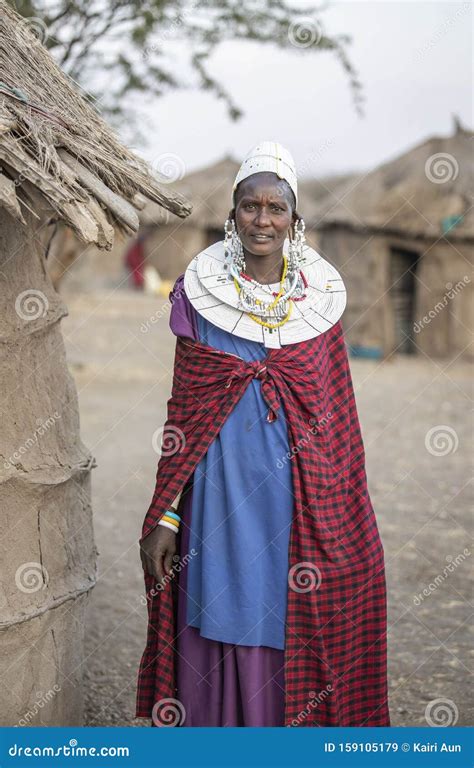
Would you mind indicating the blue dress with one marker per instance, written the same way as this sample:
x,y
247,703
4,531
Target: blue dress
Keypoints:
x,y
242,509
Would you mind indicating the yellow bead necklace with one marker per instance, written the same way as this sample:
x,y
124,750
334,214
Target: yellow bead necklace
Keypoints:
x,y
274,302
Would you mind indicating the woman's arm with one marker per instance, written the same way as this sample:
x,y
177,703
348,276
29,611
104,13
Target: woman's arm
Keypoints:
x,y
159,546
183,316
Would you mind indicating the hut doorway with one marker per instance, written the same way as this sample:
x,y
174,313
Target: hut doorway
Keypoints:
x,y
403,267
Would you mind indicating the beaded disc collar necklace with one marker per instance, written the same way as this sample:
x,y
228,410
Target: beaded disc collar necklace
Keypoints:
x,y
275,314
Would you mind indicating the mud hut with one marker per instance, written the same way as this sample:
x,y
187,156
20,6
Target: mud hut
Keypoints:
x,y
170,244
402,235
59,161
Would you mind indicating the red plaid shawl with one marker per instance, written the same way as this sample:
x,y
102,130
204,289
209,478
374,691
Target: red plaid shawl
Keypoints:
x,y
335,650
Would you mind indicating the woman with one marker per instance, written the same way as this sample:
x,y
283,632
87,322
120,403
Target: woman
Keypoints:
x,y
275,613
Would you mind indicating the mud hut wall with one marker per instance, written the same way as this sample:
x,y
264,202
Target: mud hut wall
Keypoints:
x,y
48,555
445,300
170,248
361,260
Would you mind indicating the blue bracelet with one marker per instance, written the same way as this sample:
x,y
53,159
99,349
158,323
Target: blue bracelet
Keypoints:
x,y
170,513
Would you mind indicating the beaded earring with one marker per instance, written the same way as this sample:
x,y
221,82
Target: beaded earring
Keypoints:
x,y
233,245
296,246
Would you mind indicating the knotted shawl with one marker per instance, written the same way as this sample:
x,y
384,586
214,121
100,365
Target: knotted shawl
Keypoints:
x,y
335,642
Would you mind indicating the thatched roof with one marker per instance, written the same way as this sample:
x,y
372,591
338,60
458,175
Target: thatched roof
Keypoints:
x,y
321,194
210,190
319,189
53,139
425,192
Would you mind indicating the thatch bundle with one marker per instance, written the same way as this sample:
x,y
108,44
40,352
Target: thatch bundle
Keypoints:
x,y
51,137
209,188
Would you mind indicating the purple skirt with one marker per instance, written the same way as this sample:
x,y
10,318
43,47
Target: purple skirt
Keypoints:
x,y
220,684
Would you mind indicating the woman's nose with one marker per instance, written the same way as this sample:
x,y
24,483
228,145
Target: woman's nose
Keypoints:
x,y
262,217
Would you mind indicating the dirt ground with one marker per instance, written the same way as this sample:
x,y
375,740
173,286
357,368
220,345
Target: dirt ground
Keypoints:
x,y
414,414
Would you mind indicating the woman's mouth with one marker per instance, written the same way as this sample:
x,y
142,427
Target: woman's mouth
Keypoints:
x,y
261,238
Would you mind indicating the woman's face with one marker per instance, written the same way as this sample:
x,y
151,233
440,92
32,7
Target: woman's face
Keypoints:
x,y
263,213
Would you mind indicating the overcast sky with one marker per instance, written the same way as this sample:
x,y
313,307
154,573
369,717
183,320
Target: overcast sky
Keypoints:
x,y
413,58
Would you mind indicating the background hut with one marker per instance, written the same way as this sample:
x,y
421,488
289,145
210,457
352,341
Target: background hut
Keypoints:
x,y
59,162
402,236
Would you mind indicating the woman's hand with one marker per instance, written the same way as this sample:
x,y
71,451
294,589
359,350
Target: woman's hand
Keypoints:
x,y
157,552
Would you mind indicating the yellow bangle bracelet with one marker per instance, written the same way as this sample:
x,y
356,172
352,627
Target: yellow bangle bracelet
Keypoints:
x,y
170,520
